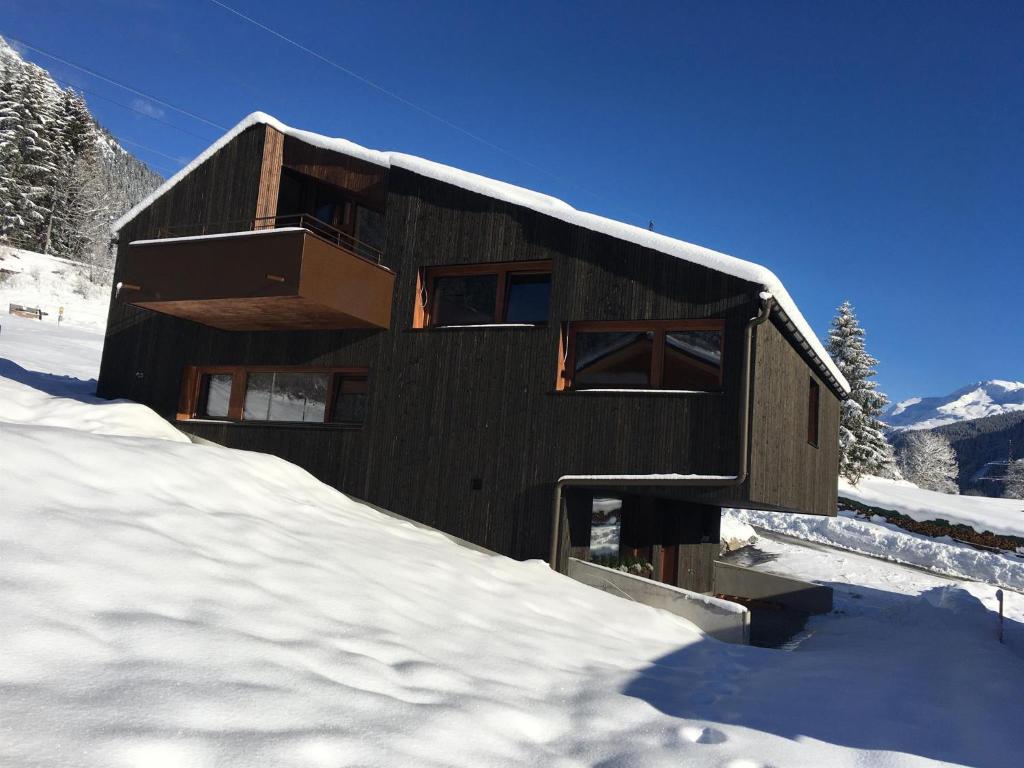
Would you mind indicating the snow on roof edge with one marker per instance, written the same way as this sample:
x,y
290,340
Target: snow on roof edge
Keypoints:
x,y
535,201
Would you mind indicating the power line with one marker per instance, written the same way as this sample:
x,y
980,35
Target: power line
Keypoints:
x,y
177,160
92,94
106,79
412,105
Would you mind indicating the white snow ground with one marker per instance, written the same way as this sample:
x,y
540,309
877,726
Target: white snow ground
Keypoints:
x,y
173,604
1003,516
37,280
881,539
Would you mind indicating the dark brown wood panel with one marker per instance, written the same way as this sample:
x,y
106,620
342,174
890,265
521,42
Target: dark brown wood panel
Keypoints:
x,y
786,471
366,181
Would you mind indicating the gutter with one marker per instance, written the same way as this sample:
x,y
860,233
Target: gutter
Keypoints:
x,y
720,481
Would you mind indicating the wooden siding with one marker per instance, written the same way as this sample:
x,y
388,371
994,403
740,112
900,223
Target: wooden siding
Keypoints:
x,y
465,430
270,175
366,181
786,472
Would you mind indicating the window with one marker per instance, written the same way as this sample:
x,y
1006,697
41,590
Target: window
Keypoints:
x,y
813,406
517,293
289,395
214,395
669,355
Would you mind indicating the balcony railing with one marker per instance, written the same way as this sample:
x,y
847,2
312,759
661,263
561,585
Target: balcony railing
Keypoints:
x,y
306,221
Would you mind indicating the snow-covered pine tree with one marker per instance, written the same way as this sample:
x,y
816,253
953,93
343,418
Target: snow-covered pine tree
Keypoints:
x,y
864,449
929,461
1014,487
63,179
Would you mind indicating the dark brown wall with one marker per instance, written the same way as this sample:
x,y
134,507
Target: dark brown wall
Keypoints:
x,y
449,406
787,472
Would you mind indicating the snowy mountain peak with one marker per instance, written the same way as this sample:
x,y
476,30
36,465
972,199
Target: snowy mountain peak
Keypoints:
x,y
975,401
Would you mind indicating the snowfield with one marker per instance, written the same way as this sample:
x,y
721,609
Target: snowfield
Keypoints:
x,y
174,604
1003,516
49,283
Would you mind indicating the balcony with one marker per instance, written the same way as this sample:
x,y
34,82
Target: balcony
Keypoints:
x,y
280,273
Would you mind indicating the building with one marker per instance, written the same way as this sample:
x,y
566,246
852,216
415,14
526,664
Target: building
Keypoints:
x,y
479,357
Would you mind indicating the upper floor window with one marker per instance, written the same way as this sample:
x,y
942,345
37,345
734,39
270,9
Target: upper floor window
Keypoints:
x,y
516,293
680,355
296,395
813,407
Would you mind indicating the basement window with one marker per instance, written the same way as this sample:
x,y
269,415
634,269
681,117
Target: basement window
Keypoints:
x,y
284,395
813,415
665,355
511,293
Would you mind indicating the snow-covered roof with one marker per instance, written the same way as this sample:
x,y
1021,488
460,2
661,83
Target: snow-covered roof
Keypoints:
x,y
535,201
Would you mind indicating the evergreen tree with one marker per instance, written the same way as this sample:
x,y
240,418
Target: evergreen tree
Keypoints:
x,y
63,179
864,449
1014,487
929,461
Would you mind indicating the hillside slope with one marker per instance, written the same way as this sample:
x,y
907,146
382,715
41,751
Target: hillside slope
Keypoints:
x,y
49,283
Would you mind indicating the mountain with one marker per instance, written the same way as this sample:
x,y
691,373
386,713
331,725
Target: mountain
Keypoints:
x,y
63,178
975,401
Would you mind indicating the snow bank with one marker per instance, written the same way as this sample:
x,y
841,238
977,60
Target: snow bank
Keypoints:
x,y
535,201
891,543
735,533
36,280
1002,516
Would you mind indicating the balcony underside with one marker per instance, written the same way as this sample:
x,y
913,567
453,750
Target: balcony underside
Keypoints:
x,y
275,279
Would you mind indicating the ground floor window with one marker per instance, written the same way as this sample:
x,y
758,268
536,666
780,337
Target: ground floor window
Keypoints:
x,y
682,355
271,394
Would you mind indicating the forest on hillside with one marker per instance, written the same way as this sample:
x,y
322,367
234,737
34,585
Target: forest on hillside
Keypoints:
x,y
63,178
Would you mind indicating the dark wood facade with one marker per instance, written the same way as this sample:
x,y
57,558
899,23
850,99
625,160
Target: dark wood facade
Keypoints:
x,y
465,428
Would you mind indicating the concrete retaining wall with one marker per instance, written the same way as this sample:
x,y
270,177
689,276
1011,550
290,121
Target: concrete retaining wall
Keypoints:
x,y
721,619
790,593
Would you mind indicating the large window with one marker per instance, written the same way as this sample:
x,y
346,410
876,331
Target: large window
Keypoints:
x,y
684,355
262,394
515,293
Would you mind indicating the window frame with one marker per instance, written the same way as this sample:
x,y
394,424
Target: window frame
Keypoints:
x,y
192,380
567,350
813,413
423,312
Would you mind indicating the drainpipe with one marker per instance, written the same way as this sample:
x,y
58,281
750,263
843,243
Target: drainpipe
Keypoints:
x,y
720,481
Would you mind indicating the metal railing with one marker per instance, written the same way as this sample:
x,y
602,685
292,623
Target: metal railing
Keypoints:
x,y
308,222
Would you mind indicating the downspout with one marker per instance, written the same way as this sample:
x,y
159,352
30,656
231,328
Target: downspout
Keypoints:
x,y
721,481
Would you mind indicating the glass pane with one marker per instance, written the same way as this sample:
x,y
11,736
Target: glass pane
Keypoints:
x,y
528,298
465,300
350,395
605,524
693,360
286,397
613,360
258,387
215,395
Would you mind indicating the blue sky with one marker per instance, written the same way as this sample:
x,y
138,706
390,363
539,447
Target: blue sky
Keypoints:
x,y
872,151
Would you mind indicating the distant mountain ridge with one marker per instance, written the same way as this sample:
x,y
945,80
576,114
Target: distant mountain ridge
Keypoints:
x,y
975,401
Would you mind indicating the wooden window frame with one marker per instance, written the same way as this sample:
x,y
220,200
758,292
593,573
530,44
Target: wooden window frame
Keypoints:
x,y
567,347
813,412
425,279
192,380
